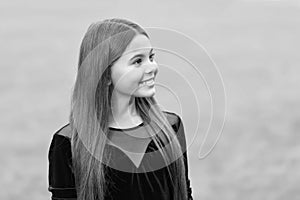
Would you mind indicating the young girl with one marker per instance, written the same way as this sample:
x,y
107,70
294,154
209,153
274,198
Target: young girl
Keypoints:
x,y
118,143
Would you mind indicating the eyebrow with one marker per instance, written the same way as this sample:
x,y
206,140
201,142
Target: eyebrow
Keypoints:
x,y
140,55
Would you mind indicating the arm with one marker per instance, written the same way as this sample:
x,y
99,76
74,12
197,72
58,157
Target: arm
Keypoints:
x,y
182,140
188,182
60,176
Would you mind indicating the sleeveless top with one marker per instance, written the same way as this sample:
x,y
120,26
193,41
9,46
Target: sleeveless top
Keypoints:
x,y
128,182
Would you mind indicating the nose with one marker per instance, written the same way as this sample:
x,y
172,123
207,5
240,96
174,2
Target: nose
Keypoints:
x,y
152,68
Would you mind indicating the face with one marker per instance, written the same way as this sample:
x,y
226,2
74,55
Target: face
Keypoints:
x,y
132,70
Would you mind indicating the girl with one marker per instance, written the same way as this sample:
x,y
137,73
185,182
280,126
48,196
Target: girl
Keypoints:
x,y
118,143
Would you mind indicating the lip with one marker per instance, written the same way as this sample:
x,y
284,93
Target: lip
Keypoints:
x,y
147,80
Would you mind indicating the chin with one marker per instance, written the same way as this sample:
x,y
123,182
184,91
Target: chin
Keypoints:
x,y
146,94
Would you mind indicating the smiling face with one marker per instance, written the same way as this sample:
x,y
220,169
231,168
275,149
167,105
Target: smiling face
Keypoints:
x,y
136,65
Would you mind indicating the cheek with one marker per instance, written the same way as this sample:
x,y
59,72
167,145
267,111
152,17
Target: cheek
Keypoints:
x,y
126,80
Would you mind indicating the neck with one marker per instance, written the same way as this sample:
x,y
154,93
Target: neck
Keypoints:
x,y
123,109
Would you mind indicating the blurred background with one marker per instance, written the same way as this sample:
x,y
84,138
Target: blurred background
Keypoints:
x,y
255,44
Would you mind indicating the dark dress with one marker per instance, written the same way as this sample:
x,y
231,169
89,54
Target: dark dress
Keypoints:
x,y
123,184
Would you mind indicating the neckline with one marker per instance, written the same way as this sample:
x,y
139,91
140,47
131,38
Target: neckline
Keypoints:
x,y
110,128
127,129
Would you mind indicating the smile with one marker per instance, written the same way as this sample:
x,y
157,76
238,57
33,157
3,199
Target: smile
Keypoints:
x,y
149,82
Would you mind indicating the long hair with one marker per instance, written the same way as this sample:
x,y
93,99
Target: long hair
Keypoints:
x,y
103,43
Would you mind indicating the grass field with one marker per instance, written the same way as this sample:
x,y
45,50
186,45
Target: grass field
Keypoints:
x,y
254,43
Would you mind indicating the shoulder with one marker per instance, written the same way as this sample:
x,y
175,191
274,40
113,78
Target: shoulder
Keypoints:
x,y
64,131
173,118
176,123
61,139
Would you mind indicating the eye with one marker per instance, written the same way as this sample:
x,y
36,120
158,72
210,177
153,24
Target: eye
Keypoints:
x,y
138,61
152,57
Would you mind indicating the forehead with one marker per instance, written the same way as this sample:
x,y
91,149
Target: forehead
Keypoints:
x,y
139,44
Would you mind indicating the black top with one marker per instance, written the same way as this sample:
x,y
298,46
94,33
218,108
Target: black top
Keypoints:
x,y
123,184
